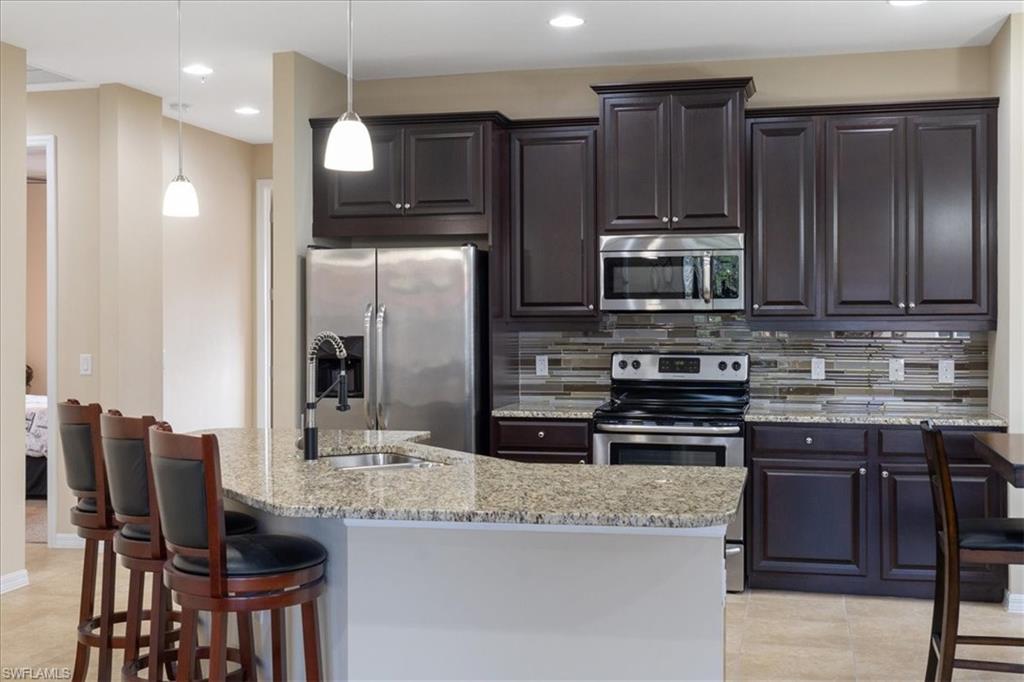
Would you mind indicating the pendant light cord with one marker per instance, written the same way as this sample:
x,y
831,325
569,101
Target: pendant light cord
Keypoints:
x,y
348,77
180,105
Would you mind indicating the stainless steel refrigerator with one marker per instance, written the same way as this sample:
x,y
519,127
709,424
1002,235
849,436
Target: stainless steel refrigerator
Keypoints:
x,y
413,322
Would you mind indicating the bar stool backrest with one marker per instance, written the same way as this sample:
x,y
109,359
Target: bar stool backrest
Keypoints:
x,y
186,470
83,454
943,502
126,455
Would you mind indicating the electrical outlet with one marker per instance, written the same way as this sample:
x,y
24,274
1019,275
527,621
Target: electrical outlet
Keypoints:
x,y
85,364
818,369
947,372
896,371
542,365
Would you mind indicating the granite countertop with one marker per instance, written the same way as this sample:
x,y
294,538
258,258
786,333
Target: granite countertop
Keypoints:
x,y
549,409
264,469
835,413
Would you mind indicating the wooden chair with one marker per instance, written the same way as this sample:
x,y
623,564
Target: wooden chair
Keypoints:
x,y
140,541
86,476
962,541
209,571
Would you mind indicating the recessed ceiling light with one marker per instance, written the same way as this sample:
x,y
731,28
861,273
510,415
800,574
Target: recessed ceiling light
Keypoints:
x,y
566,21
906,3
247,111
198,70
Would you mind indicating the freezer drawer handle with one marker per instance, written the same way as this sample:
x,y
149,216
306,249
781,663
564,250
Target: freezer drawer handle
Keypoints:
x,y
381,420
686,430
731,551
368,408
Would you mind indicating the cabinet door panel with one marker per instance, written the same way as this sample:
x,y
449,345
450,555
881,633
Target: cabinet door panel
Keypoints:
x,y
635,163
865,215
552,222
948,214
908,522
784,206
706,160
444,169
370,193
809,516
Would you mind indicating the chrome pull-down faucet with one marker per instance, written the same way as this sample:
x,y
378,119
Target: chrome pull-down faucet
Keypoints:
x,y
309,440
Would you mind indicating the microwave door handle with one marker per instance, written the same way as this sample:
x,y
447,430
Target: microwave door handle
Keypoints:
x,y
706,272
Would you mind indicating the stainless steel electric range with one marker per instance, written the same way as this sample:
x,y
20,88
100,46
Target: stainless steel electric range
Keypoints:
x,y
678,410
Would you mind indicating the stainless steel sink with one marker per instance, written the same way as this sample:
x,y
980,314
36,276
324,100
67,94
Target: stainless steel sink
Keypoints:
x,y
379,460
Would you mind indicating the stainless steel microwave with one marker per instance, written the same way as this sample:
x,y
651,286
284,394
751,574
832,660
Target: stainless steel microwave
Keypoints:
x,y
672,272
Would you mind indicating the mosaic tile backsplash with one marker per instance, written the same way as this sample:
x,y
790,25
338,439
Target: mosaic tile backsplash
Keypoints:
x,y
856,363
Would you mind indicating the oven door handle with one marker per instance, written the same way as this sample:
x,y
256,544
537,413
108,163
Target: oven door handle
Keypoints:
x,y
682,430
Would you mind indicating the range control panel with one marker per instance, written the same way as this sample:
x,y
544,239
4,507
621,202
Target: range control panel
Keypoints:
x,y
682,368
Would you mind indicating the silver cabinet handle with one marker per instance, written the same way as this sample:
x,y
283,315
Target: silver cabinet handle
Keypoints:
x,y
398,206
809,440
675,219
911,305
862,471
381,420
664,219
371,421
540,434
707,277
885,474
756,306
407,205
901,305
732,551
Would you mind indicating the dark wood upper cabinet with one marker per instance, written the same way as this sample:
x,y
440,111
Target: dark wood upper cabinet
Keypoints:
x,y
553,235
434,174
671,155
784,229
444,169
635,162
707,129
865,208
948,202
370,193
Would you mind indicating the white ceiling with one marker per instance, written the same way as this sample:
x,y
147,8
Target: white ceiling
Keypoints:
x,y
133,42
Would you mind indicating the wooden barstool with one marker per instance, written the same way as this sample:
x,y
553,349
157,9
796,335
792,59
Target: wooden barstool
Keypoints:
x,y
209,571
140,542
86,476
962,541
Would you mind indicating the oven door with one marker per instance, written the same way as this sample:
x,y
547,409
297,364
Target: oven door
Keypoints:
x,y
672,280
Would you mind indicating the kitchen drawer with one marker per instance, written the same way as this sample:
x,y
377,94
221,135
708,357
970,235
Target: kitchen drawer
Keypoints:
x,y
545,456
810,439
542,434
897,442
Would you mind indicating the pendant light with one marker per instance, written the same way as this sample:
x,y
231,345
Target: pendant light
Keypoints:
x,y
180,200
348,145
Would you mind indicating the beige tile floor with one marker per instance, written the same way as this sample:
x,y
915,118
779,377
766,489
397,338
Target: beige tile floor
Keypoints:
x,y
769,635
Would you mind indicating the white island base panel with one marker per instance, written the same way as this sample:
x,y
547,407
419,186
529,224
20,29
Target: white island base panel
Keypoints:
x,y
446,601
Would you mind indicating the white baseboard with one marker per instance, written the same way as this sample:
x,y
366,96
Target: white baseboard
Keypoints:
x,y
1014,602
68,541
13,581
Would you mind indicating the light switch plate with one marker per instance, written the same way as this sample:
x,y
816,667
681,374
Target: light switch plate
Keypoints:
x,y
947,372
818,369
85,364
542,365
896,371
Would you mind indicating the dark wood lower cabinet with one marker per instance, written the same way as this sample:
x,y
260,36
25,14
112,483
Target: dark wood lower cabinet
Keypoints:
x,y
551,441
824,518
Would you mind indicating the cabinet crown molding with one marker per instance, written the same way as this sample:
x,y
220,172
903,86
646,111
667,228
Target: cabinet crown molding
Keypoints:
x,y
875,108
745,83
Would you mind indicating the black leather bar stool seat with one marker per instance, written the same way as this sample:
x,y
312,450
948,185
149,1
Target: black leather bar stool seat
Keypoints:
x,y
235,523
260,555
999,535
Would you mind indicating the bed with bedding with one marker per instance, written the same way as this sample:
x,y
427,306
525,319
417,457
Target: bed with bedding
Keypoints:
x,y
36,435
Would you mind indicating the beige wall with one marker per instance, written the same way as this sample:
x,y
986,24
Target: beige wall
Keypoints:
x,y
263,161
1007,343
35,292
12,309
881,76
208,283
302,89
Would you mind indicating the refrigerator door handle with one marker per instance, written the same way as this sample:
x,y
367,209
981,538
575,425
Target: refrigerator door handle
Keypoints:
x,y
371,421
381,421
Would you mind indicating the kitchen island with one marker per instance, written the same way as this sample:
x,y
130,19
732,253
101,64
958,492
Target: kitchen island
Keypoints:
x,y
481,568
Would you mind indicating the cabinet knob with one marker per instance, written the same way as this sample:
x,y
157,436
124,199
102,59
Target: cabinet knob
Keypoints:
x,y
675,219
665,219
583,461
809,440
590,307
398,206
862,471
756,306
407,205
901,305
885,474
911,305
540,434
